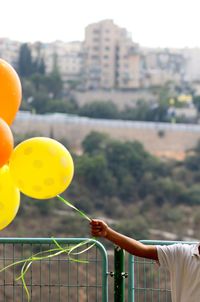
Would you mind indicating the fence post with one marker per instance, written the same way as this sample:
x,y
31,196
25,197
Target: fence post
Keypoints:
x,y
119,274
131,282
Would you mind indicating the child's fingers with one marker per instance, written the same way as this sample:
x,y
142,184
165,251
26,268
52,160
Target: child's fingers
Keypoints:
x,y
96,233
98,228
94,222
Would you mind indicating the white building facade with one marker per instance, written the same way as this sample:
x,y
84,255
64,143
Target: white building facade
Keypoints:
x,y
111,58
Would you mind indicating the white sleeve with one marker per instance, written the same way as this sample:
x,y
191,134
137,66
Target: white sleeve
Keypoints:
x,y
170,255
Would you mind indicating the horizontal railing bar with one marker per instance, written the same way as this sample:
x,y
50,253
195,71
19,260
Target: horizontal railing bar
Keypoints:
x,y
165,242
35,240
69,241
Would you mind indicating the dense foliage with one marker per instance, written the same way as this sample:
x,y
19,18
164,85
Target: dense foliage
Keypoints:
x,y
123,182
110,169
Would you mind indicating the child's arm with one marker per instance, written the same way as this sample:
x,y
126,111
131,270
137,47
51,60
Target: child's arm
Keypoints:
x,y
100,229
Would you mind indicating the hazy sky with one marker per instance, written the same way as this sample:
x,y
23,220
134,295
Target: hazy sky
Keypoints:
x,y
168,23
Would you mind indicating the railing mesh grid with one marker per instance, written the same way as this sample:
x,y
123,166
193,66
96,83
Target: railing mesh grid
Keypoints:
x,y
52,280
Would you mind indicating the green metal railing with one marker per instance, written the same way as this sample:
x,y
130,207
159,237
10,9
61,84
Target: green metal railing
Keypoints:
x,y
119,275
57,279
60,279
147,282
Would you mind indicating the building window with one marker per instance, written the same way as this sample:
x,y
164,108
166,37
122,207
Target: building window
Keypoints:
x,y
94,57
96,31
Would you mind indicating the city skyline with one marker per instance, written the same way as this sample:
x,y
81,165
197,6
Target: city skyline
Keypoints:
x,y
173,23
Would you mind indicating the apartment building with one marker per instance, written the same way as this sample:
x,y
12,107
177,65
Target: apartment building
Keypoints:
x,y
9,51
159,66
66,56
111,58
192,65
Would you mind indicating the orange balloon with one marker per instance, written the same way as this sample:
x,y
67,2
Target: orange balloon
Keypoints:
x,y
6,142
10,92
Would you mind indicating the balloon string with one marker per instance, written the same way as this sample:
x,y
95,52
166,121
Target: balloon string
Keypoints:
x,y
73,207
47,255
52,252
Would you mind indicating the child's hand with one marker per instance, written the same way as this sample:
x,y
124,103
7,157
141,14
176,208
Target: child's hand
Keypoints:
x,y
99,228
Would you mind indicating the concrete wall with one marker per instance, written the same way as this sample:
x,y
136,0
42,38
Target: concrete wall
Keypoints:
x,y
161,139
120,98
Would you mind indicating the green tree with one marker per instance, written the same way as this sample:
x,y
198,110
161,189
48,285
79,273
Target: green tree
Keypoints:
x,y
60,105
94,173
25,62
39,66
54,84
129,156
100,109
43,93
192,161
95,142
137,113
191,195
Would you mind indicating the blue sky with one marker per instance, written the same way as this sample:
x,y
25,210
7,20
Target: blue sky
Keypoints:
x,y
152,23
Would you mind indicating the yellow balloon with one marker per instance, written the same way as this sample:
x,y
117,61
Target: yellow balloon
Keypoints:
x,y
9,198
41,167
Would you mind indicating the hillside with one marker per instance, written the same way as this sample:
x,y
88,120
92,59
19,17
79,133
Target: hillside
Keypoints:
x,y
137,193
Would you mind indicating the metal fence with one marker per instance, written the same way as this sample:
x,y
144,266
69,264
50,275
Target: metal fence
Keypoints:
x,y
147,282
59,279
56,279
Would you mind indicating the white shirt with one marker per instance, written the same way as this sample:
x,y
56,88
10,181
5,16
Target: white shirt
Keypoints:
x,y
183,263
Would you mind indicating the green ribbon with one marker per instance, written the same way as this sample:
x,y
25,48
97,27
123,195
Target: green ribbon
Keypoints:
x,y
47,255
52,252
81,213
